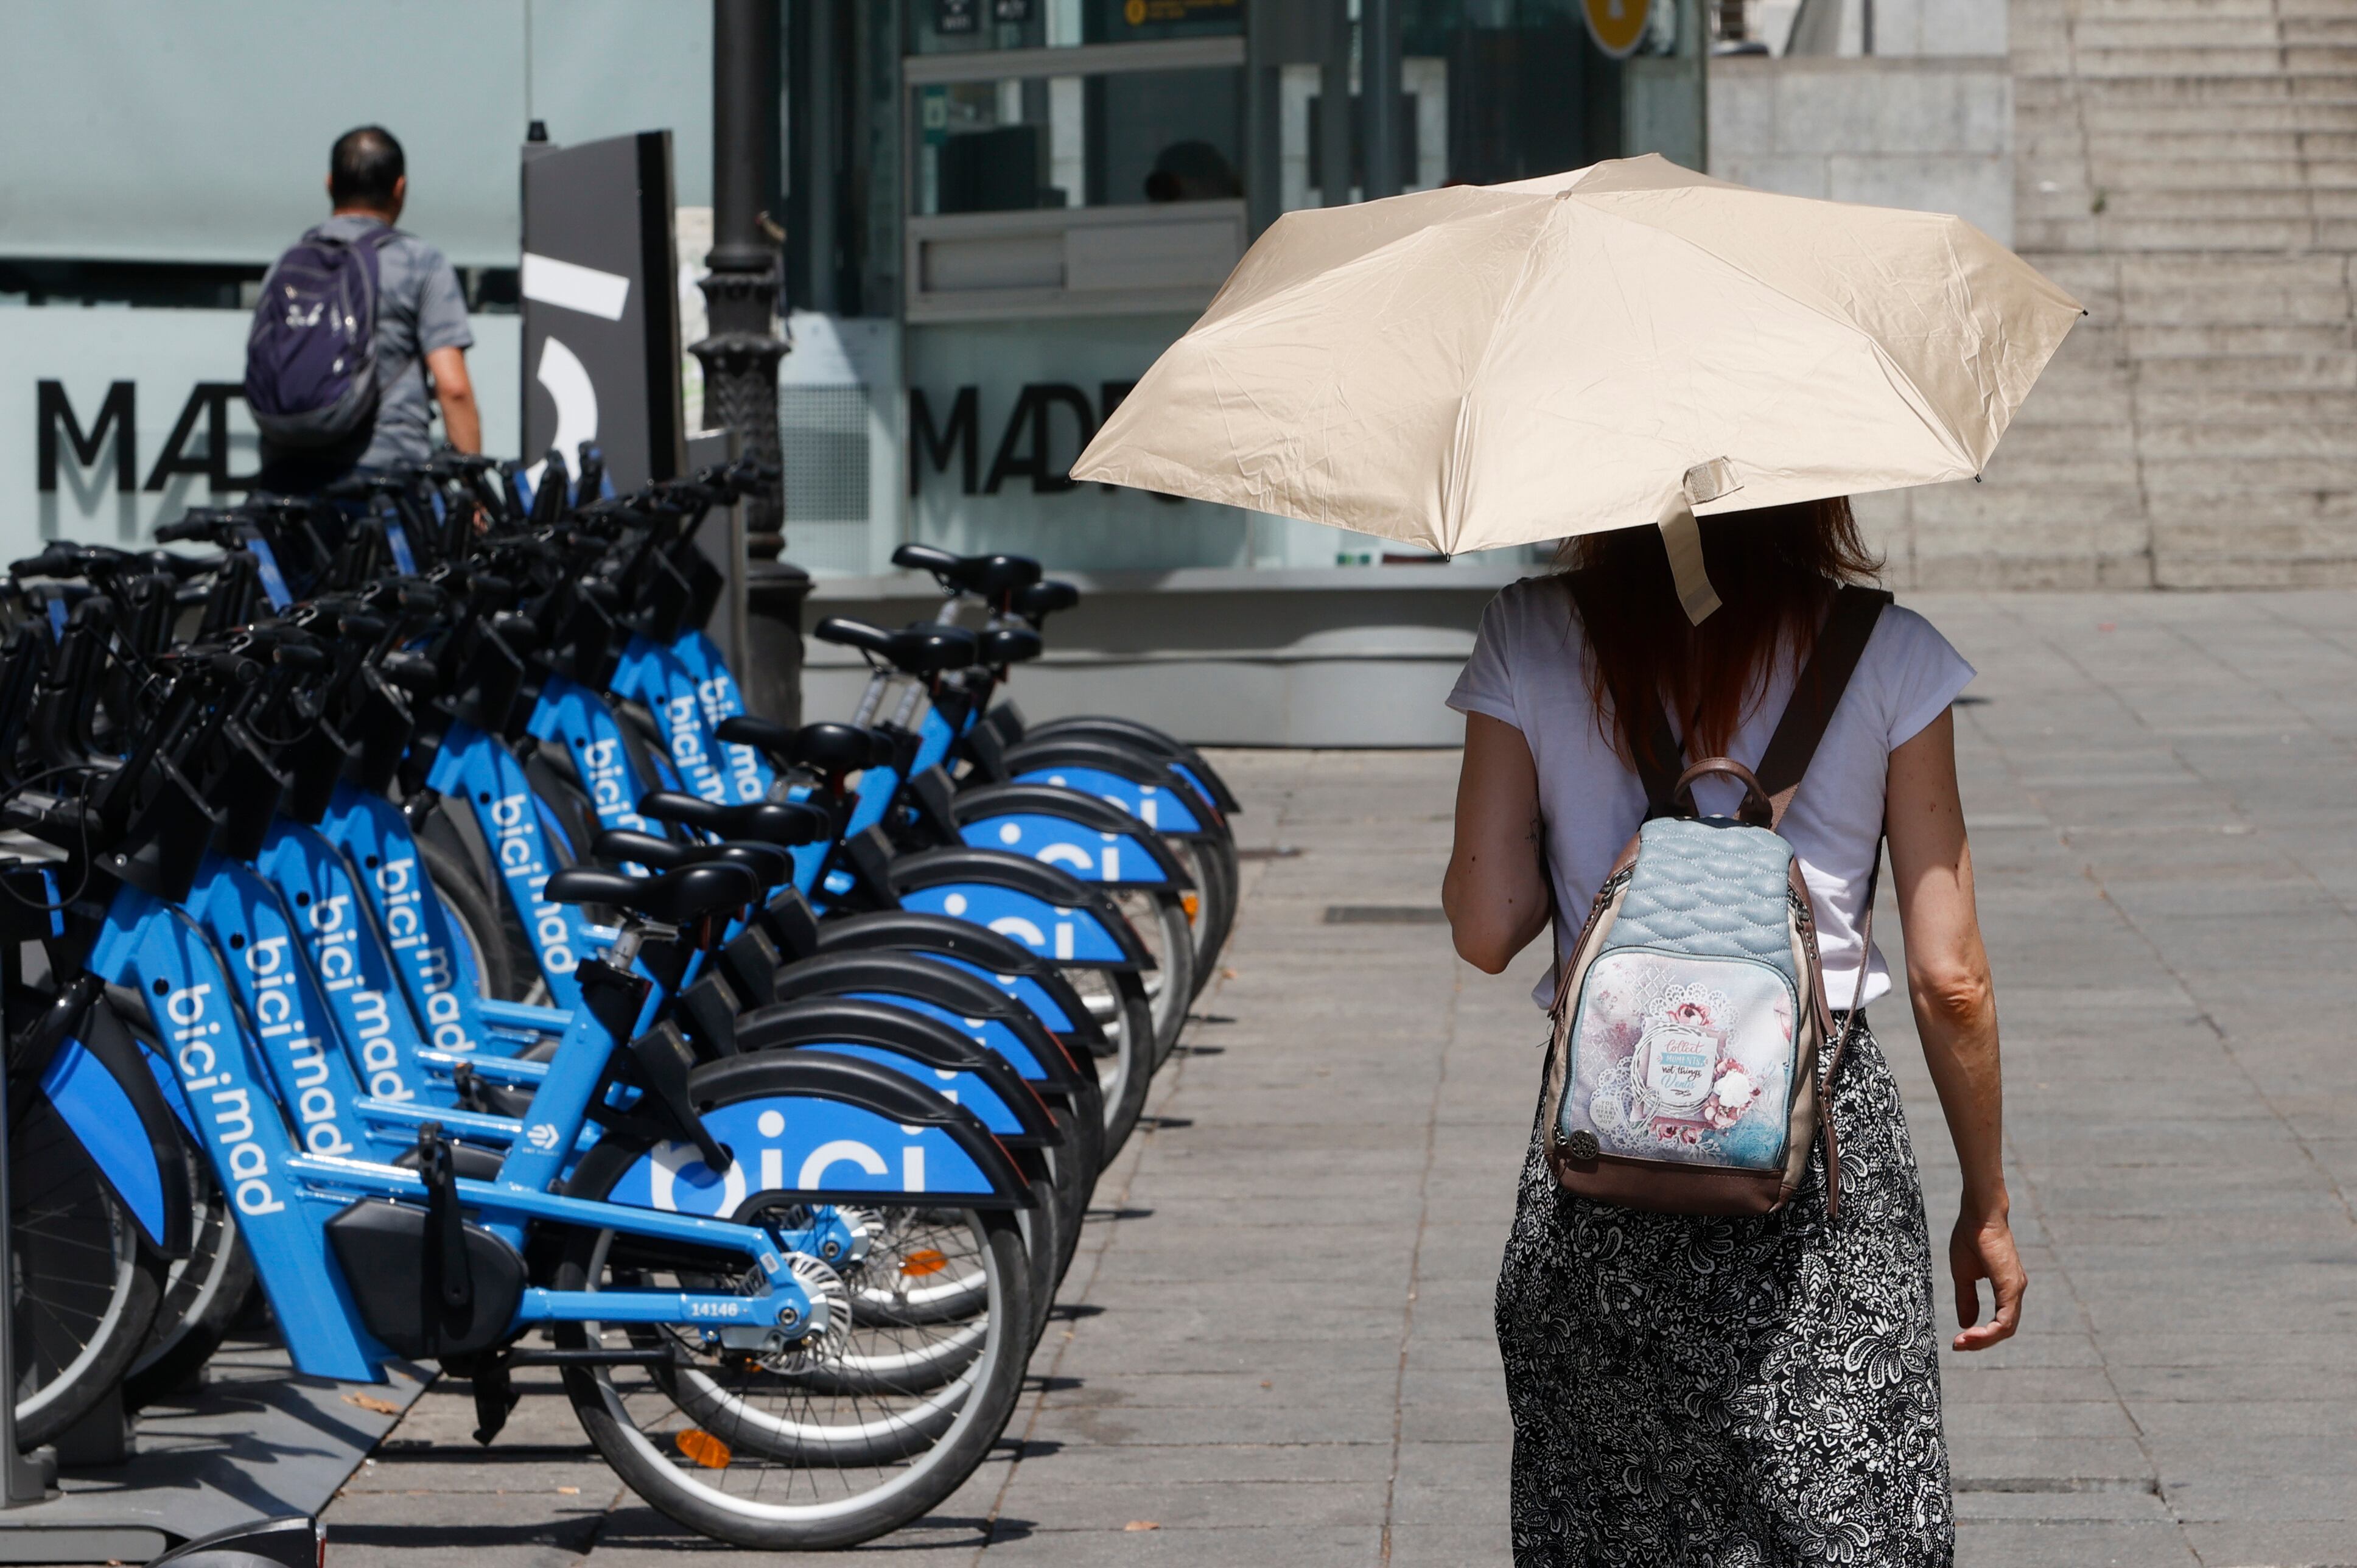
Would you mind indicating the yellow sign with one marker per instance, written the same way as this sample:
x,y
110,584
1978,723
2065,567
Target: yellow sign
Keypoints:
x,y
1616,26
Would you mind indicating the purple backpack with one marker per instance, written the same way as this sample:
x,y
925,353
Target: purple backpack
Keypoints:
x,y
310,357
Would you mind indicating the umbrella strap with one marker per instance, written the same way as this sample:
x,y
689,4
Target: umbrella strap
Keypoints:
x,y
1682,537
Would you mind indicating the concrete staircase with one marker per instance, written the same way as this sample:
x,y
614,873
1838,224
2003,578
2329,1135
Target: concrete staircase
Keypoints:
x,y
2188,169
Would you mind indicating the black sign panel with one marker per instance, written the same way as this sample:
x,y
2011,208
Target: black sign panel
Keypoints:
x,y
601,345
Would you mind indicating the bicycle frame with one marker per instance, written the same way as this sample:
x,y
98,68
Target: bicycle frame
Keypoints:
x,y
284,1195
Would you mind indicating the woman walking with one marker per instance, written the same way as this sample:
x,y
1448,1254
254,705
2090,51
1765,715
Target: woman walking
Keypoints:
x,y
1730,1391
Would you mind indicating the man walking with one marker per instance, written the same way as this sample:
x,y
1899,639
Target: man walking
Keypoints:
x,y
317,428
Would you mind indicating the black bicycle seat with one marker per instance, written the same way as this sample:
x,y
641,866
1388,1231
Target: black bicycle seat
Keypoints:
x,y
991,576
771,863
829,747
921,647
675,898
1008,645
763,821
1046,598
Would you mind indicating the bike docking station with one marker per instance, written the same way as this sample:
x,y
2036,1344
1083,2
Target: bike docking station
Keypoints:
x,y
253,1441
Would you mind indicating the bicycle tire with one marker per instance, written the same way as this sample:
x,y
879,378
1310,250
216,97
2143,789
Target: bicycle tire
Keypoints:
x,y
82,1305
603,1399
203,1294
1118,997
476,926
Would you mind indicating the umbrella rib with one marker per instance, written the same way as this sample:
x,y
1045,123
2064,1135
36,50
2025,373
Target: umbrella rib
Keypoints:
x,y
1452,511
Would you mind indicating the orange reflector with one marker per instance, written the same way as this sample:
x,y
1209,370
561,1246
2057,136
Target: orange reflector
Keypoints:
x,y
1191,903
927,1261
704,1448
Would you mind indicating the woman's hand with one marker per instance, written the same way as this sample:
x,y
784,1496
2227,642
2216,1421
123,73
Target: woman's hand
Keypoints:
x,y
1982,1249
1956,1014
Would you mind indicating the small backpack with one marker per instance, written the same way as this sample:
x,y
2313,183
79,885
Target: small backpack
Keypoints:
x,y
1692,1046
310,355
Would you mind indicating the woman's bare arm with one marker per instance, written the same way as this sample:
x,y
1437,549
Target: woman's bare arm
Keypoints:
x,y
1496,893
1955,1012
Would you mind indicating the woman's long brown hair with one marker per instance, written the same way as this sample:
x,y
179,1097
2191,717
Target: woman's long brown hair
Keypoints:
x,y
1775,569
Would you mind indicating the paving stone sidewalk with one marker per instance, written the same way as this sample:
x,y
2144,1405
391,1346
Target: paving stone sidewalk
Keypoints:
x,y
1276,1347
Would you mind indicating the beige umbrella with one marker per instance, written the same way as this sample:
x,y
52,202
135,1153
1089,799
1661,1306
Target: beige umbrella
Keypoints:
x,y
1626,343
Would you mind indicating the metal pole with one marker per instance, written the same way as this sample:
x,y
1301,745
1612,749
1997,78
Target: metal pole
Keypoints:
x,y
740,357
1334,115
1379,96
24,1479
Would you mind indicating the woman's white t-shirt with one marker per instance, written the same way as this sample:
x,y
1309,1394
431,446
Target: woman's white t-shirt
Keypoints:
x,y
1528,670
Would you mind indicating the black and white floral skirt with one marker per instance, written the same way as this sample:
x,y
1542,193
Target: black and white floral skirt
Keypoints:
x,y
1732,1392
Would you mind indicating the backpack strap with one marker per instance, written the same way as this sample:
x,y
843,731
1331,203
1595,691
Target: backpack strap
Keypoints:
x,y
1659,772
1818,693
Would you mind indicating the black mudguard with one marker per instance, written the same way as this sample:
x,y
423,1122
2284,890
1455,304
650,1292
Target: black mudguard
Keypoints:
x,y
1122,762
1082,810
906,974
915,931
845,1080
822,1021
931,867
1138,737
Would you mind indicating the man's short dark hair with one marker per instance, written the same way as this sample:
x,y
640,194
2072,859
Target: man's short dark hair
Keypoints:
x,y
363,167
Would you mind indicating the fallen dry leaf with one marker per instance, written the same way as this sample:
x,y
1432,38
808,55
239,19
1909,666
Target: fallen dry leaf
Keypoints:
x,y
1141,1524
1226,973
370,1402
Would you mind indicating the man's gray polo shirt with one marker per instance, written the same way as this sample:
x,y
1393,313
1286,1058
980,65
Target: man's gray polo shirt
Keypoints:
x,y
419,309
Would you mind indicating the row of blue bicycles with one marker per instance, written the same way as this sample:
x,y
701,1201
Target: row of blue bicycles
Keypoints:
x,y
404,920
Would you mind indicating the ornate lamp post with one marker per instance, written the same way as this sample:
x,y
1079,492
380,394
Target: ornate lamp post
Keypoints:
x,y
740,356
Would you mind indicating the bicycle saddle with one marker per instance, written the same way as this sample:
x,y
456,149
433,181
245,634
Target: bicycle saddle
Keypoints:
x,y
765,821
675,898
829,747
1007,645
921,647
1046,598
991,576
771,863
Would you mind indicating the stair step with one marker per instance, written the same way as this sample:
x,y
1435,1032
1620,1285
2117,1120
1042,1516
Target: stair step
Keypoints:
x,y
2196,60
2175,279
2112,172
2103,232
2338,29
2086,11
2255,440
2146,86
2212,205
2112,111
2318,149
2235,473
2204,32
2160,407
2326,372
2170,339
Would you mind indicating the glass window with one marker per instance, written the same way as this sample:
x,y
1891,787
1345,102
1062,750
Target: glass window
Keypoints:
x,y
1113,140
951,26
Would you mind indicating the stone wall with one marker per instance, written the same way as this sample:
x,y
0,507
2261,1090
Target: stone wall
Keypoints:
x,y
1928,131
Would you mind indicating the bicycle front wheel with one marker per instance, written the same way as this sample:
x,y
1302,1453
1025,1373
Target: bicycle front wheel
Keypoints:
x,y
82,1285
827,1446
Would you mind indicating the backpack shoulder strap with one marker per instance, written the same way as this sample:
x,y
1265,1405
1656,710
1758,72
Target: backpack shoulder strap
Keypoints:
x,y
1818,693
1658,773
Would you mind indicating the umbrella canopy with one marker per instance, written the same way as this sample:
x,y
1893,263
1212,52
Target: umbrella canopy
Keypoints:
x,y
1488,365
